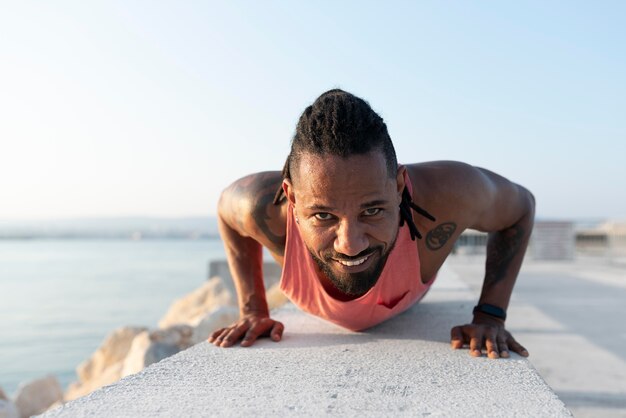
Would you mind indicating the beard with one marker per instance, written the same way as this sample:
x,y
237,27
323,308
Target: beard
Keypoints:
x,y
354,284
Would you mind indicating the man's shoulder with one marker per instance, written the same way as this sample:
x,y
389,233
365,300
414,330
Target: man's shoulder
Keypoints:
x,y
441,177
473,196
452,189
248,205
444,166
255,186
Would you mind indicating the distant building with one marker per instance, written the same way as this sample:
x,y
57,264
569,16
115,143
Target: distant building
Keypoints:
x,y
553,240
607,239
471,242
561,240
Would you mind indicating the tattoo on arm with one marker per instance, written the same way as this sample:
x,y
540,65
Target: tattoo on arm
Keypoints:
x,y
440,235
262,201
501,249
261,190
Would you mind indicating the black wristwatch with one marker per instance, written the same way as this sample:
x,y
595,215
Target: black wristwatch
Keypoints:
x,y
490,310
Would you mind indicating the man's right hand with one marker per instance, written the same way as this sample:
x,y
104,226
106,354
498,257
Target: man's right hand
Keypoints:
x,y
248,329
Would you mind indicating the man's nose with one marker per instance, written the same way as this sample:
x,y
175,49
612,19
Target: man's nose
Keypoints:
x,y
350,239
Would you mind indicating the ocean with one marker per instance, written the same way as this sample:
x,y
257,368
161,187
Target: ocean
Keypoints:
x,y
59,299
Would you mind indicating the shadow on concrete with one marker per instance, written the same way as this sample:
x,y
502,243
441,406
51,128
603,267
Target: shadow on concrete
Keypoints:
x,y
593,399
591,309
426,321
429,321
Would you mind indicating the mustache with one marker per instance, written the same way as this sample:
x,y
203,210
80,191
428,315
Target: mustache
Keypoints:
x,y
342,257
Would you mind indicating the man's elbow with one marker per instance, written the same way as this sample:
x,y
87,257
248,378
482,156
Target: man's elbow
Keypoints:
x,y
528,202
222,202
227,207
234,209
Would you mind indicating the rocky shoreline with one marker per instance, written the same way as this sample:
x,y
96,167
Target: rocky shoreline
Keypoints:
x,y
128,350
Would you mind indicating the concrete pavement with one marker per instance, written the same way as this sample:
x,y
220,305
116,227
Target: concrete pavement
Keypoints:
x,y
402,367
571,316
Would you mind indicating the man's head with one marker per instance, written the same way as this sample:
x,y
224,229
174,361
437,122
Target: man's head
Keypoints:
x,y
343,180
340,124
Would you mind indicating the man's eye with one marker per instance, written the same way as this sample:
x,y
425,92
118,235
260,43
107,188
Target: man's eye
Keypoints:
x,y
372,211
323,216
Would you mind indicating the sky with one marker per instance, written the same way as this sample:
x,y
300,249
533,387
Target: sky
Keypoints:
x,y
151,108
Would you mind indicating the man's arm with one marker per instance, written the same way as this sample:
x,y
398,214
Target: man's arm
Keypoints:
x,y
508,216
505,253
244,222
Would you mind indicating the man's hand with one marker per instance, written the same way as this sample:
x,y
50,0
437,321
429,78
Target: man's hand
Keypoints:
x,y
248,329
488,334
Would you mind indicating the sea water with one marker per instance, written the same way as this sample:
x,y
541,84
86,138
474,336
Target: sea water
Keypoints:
x,y
59,299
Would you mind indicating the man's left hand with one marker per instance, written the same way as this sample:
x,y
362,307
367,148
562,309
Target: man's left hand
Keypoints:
x,y
486,334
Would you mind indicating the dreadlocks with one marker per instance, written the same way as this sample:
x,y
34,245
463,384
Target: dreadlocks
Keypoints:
x,y
339,123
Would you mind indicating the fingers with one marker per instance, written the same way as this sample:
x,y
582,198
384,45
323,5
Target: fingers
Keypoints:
x,y
225,337
215,334
277,331
476,343
232,336
491,344
256,330
496,340
503,346
248,329
517,347
456,338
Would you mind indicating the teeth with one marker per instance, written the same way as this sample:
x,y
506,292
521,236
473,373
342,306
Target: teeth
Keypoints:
x,y
353,263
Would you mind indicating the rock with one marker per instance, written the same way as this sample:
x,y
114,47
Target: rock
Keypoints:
x,y
113,350
35,397
55,405
136,359
110,375
272,272
275,297
218,318
8,409
175,335
129,350
190,309
159,351
105,365
151,347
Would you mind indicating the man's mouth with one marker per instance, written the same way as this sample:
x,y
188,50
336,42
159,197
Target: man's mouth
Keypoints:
x,y
350,263
353,275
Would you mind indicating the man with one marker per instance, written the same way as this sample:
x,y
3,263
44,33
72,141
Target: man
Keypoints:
x,y
346,225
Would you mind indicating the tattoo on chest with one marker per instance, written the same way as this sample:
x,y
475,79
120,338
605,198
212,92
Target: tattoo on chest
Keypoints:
x,y
501,250
440,235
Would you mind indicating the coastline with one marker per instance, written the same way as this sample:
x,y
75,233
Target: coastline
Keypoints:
x,y
61,298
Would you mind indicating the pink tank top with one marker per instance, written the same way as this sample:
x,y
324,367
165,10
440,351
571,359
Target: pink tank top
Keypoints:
x,y
398,287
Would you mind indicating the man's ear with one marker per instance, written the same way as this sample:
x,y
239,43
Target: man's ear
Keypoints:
x,y
400,179
288,190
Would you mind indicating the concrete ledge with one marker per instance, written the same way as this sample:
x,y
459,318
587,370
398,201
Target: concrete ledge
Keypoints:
x,y
404,366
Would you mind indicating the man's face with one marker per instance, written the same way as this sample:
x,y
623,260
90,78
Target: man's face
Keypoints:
x,y
348,215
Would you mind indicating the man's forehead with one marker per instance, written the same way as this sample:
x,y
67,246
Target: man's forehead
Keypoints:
x,y
325,180
328,166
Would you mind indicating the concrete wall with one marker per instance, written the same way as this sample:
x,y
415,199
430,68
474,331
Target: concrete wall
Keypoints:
x,y
402,367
